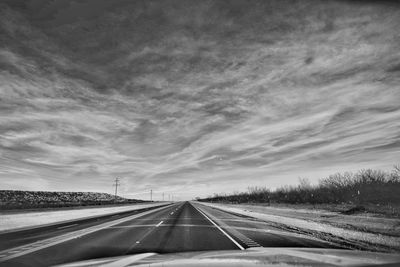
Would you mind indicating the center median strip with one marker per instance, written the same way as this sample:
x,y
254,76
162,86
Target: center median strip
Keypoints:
x,y
35,246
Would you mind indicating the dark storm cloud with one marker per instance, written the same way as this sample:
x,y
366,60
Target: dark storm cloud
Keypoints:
x,y
195,96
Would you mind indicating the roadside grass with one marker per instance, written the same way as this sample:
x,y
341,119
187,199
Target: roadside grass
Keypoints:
x,y
387,211
372,191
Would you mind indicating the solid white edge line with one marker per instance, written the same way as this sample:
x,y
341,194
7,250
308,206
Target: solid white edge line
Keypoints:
x,y
159,223
67,226
219,228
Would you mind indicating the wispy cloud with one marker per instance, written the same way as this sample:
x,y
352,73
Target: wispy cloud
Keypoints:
x,y
193,97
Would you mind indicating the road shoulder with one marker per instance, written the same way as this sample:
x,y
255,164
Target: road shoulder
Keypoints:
x,y
356,231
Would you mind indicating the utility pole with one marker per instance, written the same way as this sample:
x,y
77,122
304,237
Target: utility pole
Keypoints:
x,y
151,194
162,196
116,184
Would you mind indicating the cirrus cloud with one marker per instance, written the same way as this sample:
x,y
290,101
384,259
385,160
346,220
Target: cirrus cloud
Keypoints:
x,y
195,97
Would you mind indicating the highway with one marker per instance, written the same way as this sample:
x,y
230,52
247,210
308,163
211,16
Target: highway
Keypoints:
x,y
178,227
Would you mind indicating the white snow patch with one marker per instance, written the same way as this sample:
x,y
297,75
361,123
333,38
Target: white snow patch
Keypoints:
x,y
22,220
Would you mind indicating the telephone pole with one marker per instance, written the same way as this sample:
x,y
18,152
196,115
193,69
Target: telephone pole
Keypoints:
x,y
151,194
162,196
116,184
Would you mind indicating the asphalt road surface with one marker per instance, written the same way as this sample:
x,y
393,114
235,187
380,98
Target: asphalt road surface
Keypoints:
x,y
179,227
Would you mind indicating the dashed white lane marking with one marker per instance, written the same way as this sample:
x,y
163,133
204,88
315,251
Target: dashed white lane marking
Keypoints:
x,y
219,228
67,226
159,223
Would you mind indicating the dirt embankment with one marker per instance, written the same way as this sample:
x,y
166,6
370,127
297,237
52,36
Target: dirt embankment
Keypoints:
x,y
16,199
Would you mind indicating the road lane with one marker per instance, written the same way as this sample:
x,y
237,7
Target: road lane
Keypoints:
x,y
179,227
184,229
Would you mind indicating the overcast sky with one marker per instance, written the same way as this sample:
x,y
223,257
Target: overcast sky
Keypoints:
x,y
193,98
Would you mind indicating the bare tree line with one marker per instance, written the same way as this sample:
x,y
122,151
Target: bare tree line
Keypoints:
x,y
364,187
